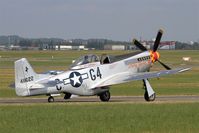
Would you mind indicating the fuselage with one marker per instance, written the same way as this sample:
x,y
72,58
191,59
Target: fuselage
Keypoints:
x,y
88,79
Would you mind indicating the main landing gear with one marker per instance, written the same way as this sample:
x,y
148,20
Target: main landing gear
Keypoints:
x,y
105,96
149,94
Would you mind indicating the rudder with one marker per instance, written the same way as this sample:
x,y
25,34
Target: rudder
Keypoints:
x,y
25,76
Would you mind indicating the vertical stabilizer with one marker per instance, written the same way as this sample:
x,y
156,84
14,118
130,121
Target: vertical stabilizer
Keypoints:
x,y
24,77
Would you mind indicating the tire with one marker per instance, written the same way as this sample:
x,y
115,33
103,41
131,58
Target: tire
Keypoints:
x,y
105,96
147,98
152,98
51,99
67,95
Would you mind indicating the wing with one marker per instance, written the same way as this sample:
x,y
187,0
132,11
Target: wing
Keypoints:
x,y
127,77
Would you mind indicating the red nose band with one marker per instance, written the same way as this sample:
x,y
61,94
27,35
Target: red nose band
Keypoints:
x,y
154,56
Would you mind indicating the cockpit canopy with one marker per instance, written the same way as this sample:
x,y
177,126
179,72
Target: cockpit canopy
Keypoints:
x,y
81,62
85,60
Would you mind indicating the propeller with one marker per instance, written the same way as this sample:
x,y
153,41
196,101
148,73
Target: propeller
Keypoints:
x,y
164,65
157,40
153,53
139,45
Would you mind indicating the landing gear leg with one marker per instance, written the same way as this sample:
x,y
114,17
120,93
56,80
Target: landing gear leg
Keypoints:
x,y
50,99
105,96
149,94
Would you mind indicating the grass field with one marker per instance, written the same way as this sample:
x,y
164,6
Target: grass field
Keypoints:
x,y
100,118
180,84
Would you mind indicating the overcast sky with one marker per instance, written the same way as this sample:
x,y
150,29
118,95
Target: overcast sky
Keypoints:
x,y
111,19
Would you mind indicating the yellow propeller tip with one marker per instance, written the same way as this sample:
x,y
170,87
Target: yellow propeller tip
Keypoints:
x,y
161,30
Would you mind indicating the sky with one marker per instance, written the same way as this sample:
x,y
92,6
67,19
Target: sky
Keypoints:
x,y
120,20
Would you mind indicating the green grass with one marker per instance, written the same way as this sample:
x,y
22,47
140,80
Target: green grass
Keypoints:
x,y
100,118
179,84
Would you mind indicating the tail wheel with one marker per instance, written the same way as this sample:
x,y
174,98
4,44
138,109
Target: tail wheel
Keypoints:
x,y
105,96
67,95
51,99
151,98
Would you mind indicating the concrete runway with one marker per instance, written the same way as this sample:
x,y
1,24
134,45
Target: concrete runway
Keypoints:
x,y
95,99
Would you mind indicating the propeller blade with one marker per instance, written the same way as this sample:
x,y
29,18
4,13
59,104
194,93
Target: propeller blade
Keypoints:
x,y
157,41
164,65
139,45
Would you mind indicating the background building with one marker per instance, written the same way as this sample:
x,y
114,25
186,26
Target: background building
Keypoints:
x,y
114,47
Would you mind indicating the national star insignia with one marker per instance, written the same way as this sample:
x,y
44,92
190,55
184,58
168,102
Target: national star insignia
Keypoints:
x,y
75,79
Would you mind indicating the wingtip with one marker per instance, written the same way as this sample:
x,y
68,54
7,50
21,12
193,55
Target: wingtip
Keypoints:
x,y
184,69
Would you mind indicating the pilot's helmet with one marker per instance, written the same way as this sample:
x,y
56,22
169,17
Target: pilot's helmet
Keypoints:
x,y
86,57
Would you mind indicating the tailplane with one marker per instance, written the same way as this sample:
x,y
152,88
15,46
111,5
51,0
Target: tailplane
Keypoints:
x,y
25,76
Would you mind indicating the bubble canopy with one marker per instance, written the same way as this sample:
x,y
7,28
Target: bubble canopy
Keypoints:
x,y
85,60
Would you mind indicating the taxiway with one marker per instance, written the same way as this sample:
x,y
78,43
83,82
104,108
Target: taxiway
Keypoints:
x,y
120,99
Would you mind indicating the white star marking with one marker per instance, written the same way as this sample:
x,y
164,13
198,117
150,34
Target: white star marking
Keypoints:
x,y
76,79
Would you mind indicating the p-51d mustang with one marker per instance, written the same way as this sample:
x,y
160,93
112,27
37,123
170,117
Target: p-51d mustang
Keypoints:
x,y
90,75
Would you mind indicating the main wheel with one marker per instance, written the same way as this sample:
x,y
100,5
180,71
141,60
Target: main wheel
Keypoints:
x,y
67,95
105,96
147,98
51,99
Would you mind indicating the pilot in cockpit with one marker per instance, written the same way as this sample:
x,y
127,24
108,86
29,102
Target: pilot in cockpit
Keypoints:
x,y
86,61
